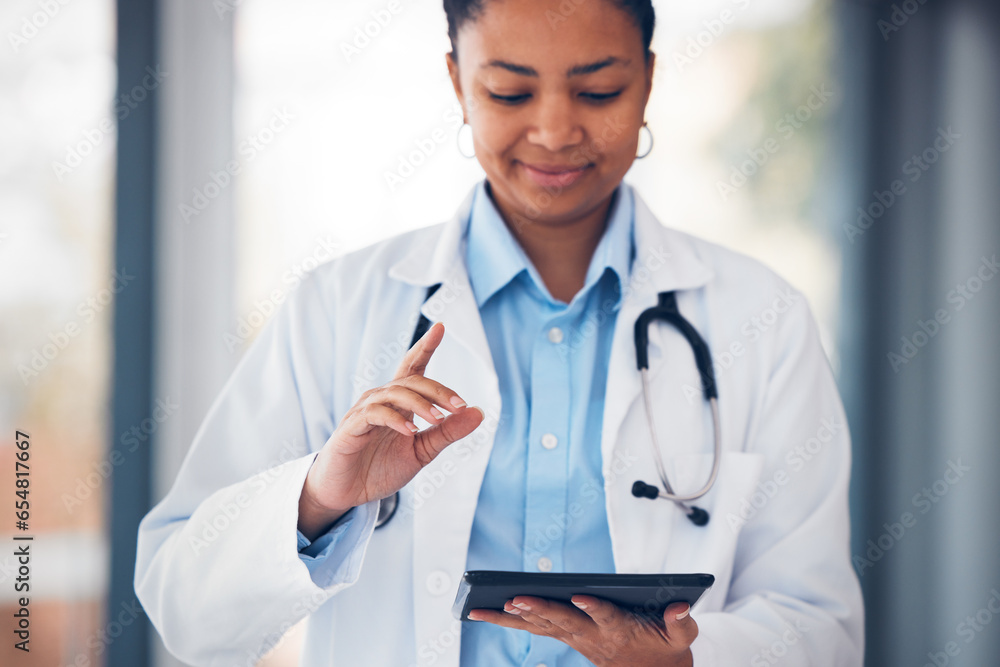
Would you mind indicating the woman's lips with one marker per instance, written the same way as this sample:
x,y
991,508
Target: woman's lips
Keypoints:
x,y
551,177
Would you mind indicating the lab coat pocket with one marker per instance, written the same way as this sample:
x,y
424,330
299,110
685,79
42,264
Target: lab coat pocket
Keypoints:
x,y
711,548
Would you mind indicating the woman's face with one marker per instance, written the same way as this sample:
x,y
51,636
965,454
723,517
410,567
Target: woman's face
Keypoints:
x,y
555,102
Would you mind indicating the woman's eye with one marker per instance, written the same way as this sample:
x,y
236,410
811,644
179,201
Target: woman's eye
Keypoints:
x,y
509,99
517,99
601,97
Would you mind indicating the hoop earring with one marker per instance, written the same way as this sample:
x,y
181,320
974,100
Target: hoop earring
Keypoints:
x,y
458,140
650,133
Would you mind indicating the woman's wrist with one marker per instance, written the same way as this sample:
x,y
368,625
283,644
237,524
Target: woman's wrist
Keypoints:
x,y
314,518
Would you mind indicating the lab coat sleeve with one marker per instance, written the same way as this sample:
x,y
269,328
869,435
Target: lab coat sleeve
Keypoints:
x,y
218,568
324,556
794,596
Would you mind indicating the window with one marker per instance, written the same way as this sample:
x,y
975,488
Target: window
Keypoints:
x,y
57,129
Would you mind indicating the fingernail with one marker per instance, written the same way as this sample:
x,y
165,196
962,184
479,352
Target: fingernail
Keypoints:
x,y
683,614
521,605
437,413
516,612
480,411
473,616
413,427
457,402
579,604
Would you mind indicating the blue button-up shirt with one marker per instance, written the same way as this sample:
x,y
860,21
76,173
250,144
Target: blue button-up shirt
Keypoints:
x,y
541,506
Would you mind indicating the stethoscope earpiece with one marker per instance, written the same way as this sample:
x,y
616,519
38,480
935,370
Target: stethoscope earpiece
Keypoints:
x,y
642,490
698,516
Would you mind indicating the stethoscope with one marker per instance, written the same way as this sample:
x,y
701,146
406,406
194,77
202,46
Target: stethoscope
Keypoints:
x,y
665,310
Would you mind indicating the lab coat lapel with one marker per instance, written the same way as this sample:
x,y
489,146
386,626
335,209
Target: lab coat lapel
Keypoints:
x,y
444,494
449,486
438,257
665,260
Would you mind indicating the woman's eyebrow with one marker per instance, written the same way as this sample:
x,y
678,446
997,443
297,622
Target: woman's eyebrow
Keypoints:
x,y
576,70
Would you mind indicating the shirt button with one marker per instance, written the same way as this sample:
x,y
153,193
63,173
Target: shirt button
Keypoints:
x,y
549,441
541,664
545,564
555,335
438,582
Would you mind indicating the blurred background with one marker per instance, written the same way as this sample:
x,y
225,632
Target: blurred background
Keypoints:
x,y
167,168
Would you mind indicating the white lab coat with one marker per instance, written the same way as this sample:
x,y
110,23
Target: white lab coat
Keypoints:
x,y
218,570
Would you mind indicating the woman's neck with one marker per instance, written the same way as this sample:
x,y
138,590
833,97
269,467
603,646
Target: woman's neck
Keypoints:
x,y
561,252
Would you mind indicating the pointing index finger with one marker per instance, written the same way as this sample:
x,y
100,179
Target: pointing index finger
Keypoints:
x,y
416,358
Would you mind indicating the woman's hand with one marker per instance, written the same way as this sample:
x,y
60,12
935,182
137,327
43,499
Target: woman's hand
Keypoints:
x,y
377,449
602,632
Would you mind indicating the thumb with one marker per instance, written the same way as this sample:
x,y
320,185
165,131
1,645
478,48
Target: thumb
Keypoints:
x,y
431,442
681,628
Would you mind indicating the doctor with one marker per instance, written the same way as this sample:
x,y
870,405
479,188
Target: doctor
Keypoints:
x,y
514,428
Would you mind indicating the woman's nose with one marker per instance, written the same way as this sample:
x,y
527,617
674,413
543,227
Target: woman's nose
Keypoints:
x,y
555,126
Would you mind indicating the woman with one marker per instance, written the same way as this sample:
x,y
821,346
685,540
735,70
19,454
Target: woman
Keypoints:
x,y
543,271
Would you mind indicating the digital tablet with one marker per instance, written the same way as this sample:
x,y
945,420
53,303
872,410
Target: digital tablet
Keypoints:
x,y
647,594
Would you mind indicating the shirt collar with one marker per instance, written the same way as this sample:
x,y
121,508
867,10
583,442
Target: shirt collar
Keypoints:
x,y
494,256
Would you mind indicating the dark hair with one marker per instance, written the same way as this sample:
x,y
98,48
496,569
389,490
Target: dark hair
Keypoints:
x,y
461,11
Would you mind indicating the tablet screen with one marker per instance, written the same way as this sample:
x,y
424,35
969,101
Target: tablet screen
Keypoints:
x,y
647,594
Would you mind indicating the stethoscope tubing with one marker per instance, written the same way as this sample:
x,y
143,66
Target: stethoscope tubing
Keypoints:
x,y
666,310
668,492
